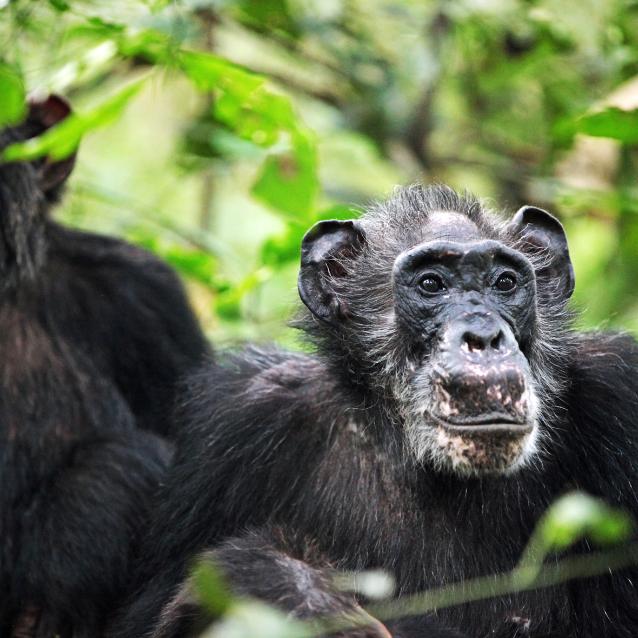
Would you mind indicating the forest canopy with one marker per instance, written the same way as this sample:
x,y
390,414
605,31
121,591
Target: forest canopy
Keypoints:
x,y
215,132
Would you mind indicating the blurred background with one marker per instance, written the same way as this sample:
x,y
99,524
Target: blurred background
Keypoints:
x,y
215,132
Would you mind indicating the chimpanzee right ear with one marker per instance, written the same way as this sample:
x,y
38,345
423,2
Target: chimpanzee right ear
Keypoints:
x,y
323,249
42,115
543,232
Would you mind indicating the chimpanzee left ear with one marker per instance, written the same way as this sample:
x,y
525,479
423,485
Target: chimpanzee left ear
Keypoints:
x,y
323,249
42,115
545,233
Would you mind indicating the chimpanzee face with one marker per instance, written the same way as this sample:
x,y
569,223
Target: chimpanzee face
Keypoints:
x,y
466,303
458,325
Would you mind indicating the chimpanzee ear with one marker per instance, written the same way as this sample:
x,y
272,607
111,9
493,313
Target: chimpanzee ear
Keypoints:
x,y
42,115
323,249
544,232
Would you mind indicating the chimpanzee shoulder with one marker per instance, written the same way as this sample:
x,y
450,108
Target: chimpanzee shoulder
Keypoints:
x,y
144,332
598,422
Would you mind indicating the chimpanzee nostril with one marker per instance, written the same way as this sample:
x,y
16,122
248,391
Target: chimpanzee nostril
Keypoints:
x,y
477,341
497,342
473,342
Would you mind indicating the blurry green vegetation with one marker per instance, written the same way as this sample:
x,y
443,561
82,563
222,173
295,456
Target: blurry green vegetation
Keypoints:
x,y
216,131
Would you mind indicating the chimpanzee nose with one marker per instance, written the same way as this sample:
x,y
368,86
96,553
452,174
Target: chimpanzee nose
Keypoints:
x,y
481,334
486,337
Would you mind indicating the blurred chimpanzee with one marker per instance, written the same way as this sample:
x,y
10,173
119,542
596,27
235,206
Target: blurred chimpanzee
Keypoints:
x,y
448,404
94,334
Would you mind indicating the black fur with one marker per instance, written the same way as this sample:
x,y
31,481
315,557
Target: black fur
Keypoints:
x,y
315,445
94,336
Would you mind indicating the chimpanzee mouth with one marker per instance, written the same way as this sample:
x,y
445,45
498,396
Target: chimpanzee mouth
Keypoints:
x,y
482,444
485,424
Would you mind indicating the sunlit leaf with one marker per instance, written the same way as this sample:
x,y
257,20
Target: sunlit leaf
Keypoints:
x,y
12,98
577,515
612,122
338,211
270,14
63,139
252,618
289,182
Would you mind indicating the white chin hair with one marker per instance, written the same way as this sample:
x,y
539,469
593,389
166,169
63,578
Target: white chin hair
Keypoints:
x,y
472,453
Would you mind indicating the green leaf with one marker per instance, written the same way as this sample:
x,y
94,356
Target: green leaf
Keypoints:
x,y
339,211
243,100
63,139
228,304
288,181
612,122
60,5
273,15
283,248
211,588
577,515
252,618
12,97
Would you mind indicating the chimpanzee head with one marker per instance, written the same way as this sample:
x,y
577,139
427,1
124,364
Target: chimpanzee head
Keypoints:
x,y
27,190
450,316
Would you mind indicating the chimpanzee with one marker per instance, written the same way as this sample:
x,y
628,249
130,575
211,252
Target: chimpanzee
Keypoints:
x,y
449,402
94,336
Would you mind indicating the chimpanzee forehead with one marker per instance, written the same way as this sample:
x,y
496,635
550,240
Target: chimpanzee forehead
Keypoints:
x,y
450,226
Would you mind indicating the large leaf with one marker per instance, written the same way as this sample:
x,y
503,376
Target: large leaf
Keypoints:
x,y
63,139
288,181
612,122
12,98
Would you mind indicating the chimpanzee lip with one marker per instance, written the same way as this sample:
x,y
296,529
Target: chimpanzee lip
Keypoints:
x,y
492,423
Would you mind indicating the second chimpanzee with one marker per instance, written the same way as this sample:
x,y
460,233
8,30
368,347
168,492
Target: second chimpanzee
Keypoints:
x,y
448,404
94,335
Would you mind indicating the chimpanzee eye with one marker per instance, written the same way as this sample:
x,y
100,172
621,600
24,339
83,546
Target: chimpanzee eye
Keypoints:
x,y
506,282
432,283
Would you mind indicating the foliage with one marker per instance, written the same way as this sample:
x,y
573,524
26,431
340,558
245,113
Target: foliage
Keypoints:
x,y
215,132
248,121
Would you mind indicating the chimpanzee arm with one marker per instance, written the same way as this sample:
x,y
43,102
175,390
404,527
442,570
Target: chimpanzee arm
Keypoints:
x,y
79,531
292,576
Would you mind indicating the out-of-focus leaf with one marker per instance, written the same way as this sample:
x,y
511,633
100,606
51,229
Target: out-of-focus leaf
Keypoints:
x,y
60,5
12,98
570,519
243,100
338,211
375,584
612,122
211,588
228,304
288,181
252,618
283,248
577,515
208,139
61,140
269,14
192,263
